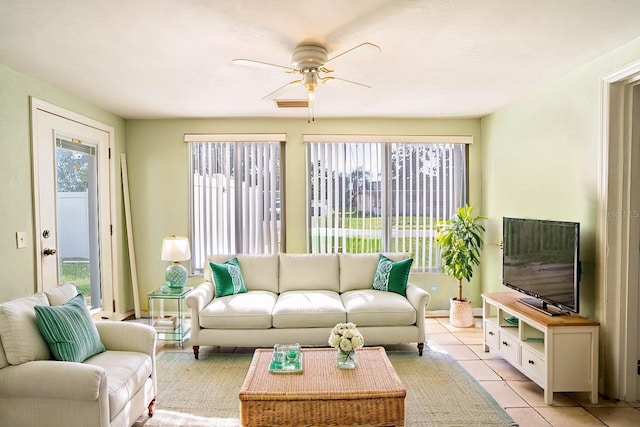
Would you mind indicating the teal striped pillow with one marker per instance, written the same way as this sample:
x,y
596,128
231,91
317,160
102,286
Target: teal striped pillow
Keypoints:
x,y
69,330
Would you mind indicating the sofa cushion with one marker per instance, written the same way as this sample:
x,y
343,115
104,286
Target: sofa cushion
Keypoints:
x,y
69,330
250,310
260,272
308,309
19,332
306,272
369,307
126,372
358,270
61,294
227,278
392,275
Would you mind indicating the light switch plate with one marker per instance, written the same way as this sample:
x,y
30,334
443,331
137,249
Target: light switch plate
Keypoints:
x,y
21,239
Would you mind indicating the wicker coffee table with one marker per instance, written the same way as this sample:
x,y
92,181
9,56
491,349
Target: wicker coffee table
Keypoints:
x,y
323,395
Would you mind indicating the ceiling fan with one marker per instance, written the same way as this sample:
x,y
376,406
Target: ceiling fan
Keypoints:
x,y
309,60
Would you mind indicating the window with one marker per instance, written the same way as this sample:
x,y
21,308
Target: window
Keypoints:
x,y
381,193
235,195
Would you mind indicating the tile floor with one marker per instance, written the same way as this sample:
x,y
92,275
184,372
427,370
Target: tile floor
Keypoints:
x,y
520,397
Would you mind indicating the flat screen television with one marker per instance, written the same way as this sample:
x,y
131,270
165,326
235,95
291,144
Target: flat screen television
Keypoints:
x,y
541,259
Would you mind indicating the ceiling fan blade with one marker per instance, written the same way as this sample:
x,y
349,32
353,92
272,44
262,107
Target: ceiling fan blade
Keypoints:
x,y
280,90
370,45
325,79
260,64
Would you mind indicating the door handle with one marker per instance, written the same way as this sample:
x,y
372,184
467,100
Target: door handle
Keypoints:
x,y
49,251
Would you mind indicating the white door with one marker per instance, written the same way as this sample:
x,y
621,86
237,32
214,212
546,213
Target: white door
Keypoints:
x,y
72,197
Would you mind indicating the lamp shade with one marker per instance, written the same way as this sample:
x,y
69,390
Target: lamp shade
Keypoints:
x,y
175,249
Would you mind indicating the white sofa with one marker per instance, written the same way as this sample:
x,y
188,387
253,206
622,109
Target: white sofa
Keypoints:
x,y
112,388
299,298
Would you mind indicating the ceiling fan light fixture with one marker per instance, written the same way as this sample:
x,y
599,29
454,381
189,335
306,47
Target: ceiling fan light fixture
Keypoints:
x,y
310,82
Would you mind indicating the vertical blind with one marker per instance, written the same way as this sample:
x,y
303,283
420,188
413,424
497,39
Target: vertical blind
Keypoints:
x,y
235,197
366,197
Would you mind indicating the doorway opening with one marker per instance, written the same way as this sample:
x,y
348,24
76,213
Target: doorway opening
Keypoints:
x,y
618,234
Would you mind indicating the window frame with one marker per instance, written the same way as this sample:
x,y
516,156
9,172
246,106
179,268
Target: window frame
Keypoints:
x,y
390,193
197,264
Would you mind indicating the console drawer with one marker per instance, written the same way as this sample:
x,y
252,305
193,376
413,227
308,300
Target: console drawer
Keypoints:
x,y
509,347
491,335
533,365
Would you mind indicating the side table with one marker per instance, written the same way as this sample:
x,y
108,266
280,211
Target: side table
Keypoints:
x,y
167,314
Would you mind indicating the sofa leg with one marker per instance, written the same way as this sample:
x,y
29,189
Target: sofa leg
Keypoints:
x,y
196,351
151,406
420,348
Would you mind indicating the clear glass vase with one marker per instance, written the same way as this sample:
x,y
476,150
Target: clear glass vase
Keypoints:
x,y
346,359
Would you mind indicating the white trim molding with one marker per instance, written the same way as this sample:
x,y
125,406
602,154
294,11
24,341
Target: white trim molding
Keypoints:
x,y
235,137
389,139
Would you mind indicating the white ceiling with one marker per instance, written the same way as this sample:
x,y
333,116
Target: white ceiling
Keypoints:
x,y
440,58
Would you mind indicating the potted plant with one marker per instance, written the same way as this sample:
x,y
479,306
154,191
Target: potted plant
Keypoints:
x,y
461,240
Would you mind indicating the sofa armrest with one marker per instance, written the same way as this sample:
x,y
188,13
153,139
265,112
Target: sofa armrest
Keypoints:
x,y
197,300
52,378
419,299
127,336
200,297
130,336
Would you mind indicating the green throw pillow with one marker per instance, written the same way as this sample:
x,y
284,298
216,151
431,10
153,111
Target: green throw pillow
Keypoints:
x,y
228,278
69,330
392,275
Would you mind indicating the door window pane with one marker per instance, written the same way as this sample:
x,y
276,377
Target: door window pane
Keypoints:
x,y
77,218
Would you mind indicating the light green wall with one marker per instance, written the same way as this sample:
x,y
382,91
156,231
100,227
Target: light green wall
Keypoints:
x,y
540,160
17,269
157,158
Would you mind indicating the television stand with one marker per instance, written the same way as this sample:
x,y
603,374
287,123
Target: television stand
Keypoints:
x,y
559,353
541,306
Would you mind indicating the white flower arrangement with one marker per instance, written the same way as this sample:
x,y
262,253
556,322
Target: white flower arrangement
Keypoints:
x,y
346,337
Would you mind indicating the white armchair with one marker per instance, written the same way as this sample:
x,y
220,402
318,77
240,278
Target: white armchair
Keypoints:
x,y
111,388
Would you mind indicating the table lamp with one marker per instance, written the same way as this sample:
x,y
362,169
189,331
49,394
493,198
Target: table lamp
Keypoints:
x,y
176,249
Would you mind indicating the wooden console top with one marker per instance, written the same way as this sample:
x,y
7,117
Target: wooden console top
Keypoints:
x,y
510,301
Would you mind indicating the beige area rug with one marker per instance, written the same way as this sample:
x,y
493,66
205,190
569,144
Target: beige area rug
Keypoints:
x,y
205,392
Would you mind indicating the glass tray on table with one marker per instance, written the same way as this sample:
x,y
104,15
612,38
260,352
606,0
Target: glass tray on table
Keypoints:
x,y
286,359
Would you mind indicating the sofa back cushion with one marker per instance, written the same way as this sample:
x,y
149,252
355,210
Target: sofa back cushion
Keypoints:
x,y
307,272
61,294
19,332
357,271
259,272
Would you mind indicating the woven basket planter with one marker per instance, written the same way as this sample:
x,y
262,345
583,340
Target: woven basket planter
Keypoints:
x,y
460,313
